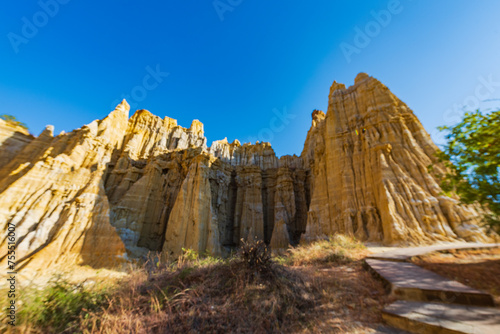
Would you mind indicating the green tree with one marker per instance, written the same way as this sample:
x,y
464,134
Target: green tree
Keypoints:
x,y
12,120
472,155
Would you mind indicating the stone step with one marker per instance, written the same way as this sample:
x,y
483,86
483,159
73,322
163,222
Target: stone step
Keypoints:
x,y
408,281
405,254
437,318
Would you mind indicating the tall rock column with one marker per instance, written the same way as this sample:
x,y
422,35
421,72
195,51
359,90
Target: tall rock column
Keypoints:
x,y
371,179
284,209
249,212
191,224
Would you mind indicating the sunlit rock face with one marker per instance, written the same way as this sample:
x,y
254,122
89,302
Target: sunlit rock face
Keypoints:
x,y
13,138
368,159
121,187
53,192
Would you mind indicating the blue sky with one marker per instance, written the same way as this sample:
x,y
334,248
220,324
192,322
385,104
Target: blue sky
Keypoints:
x,y
251,70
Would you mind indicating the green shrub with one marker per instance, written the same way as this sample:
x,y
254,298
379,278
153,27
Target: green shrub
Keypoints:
x,y
60,305
12,120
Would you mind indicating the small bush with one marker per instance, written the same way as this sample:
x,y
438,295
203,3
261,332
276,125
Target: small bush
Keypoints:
x,y
255,254
12,120
58,307
191,258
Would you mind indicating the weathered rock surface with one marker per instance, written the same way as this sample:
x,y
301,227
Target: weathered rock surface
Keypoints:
x,y
124,187
13,139
369,159
53,193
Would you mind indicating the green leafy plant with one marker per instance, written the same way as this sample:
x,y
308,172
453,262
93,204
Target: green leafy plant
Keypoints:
x,y
60,305
12,120
472,157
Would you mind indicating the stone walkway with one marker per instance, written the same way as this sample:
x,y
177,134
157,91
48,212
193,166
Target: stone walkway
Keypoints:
x,y
429,301
408,281
434,318
404,254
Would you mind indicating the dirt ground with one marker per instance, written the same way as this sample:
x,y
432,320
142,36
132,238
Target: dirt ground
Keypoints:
x,y
351,300
479,269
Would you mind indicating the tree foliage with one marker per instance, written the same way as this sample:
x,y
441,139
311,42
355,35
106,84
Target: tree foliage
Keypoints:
x,y
472,155
13,120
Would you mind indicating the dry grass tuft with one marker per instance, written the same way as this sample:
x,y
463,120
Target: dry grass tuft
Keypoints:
x,y
338,249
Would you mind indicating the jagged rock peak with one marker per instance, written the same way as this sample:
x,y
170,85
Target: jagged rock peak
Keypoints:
x,y
340,88
360,77
123,106
48,131
317,117
373,149
148,135
196,127
259,154
336,87
144,118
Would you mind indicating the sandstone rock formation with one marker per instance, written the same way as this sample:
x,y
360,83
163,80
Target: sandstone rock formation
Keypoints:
x,y
119,188
369,157
53,193
13,138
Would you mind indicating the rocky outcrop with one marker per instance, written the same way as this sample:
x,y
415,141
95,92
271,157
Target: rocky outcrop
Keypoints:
x,y
53,193
13,138
193,220
122,187
369,158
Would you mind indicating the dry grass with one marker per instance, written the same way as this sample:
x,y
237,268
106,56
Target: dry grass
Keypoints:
x,y
479,268
228,297
338,249
315,288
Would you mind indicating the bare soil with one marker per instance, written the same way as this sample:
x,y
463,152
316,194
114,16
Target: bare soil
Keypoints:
x,y
479,269
350,299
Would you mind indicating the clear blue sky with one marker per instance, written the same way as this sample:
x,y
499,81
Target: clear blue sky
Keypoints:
x,y
232,66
